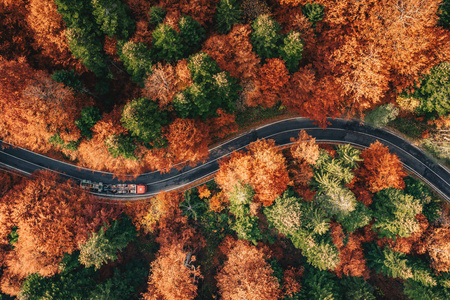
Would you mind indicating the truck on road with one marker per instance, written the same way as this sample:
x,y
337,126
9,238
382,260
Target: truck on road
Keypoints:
x,y
120,188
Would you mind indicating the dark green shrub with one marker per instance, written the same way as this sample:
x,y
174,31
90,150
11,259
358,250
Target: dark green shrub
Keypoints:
x,y
90,115
156,15
228,13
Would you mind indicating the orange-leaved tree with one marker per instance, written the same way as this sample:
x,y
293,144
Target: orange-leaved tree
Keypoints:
x,y
222,125
263,167
351,255
304,148
34,107
381,169
173,274
438,247
53,217
271,82
188,141
233,52
166,81
49,36
247,275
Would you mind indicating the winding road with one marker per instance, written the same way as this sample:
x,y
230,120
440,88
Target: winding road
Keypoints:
x,y
339,131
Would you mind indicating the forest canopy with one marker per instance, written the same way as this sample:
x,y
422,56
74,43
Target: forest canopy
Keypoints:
x,y
78,72
323,224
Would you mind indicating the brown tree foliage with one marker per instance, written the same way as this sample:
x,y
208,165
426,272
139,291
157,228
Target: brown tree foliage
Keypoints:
x,y
291,281
222,125
204,192
201,10
366,47
292,2
15,37
351,255
161,84
263,167
48,34
218,202
233,52
363,75
270,84
247,275
54,217
172,274
370,53
154,214
94,154
10,283
381,169
438,246
34,107
304,148
166,81
139,8
188,141
314,97
416,243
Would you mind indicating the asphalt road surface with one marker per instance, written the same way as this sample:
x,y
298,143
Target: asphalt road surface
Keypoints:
x,y
339,131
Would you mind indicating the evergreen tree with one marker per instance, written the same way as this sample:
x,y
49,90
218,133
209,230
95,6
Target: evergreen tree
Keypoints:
x,y
124,284
348,156
103,245
339,202
356,288
167,44
156,15
357,218
202,67
240,198
265,37
389,263
319,285
88,47
228,13
73,282
417,291
144,120
77,14
137,60
395,213
291,50
90,115
316,220
434,92
83,35
314,12
324,256
285,214
193,207
247,228
121,145
381,115
192,34
112,17
444,14
211,90
416,188
68,78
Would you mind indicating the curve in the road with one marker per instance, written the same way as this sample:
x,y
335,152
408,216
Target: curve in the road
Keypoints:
x,y
339,131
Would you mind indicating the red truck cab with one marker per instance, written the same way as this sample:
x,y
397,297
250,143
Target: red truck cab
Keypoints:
x,y
141,189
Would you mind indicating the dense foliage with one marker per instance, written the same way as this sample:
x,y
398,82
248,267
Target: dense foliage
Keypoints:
x,y
315,59
256,231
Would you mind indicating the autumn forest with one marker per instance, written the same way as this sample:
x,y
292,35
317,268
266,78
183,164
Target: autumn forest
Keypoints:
x,y
131,86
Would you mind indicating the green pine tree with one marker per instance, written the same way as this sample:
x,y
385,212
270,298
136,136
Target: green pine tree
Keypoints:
x,y
228,13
